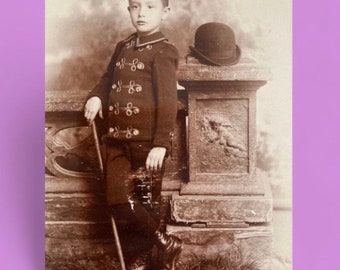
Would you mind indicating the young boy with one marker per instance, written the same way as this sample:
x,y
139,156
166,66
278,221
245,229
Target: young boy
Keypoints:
x,y
138,94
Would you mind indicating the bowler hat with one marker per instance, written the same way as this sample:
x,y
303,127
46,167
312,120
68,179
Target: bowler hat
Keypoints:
x,y
215,44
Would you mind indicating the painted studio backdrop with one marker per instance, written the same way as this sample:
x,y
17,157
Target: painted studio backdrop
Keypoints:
x,y
81,36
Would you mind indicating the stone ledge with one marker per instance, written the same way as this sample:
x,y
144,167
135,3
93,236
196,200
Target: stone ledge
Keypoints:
x,y
246,70
75,207
222,188
93,185
74,101
250,209
208,208
78,229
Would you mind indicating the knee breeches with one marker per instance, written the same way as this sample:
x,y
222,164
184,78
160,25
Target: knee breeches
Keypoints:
x,y
126,177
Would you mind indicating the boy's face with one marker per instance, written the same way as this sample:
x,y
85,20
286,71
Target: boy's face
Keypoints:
x,y
147,15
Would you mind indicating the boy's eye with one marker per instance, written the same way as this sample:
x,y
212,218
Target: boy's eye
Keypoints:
x,y
150,6
133,6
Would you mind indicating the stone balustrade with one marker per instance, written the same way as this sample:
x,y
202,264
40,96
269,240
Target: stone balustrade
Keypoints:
x,y
218,204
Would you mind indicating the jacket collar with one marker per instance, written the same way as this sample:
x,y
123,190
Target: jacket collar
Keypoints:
x,y
146,40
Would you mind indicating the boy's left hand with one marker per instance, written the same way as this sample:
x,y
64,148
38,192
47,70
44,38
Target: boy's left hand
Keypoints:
x,y
155,158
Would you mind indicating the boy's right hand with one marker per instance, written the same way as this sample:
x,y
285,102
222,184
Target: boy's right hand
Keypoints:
x,y
92,107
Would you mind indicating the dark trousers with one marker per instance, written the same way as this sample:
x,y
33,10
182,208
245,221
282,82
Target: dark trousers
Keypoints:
x,y
132,193
125,168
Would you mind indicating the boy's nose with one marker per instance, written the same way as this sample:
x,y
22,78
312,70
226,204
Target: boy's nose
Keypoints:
x,y
141,12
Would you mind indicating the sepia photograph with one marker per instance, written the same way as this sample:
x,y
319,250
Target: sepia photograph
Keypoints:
x,y
168,135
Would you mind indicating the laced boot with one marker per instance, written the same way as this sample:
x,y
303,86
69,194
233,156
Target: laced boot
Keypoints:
x,y
169,249
140,261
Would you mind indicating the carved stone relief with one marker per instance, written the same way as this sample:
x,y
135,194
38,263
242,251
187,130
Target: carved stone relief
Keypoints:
x,y
222,135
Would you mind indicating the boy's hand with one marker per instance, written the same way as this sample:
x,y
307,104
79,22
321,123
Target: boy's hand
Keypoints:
x,y
155,158
92,107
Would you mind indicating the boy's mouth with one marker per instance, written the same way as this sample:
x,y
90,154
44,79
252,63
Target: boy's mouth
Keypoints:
x,y
141,22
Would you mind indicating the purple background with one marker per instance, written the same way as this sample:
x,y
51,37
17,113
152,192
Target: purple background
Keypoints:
x,y
22,135
316,126
316,135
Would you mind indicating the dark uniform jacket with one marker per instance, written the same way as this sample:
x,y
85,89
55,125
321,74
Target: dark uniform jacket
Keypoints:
x,y
139,90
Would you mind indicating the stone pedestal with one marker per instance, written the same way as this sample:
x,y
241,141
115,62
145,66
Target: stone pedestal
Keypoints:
x,y
225,207
221,130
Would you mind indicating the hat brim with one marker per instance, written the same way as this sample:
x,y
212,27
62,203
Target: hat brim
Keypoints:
x,y
217,62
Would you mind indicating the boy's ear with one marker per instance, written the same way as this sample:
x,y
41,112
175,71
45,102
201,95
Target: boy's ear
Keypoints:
x,y
128,8
166,12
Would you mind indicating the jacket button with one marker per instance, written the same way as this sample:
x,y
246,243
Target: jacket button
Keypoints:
x,y
140,66
135,132
114,86
111,130
110,108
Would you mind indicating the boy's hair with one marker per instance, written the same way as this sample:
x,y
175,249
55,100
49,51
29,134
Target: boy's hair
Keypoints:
x,y
165,2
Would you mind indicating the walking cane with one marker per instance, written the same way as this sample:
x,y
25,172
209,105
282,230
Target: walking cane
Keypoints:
x,y
114,227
